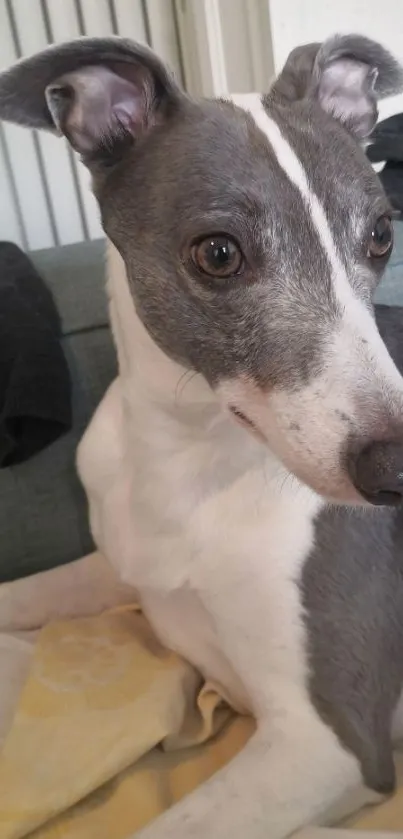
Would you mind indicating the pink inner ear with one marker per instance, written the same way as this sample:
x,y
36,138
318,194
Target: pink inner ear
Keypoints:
x,y
345,74
346,91
102,101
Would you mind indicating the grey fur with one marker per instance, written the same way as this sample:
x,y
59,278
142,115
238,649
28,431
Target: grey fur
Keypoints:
x,y
389,78
22,88
353,595
314,72
230,328
301,74
204,167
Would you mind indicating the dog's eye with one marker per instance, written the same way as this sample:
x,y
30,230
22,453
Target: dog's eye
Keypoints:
x,y
217,256
381,242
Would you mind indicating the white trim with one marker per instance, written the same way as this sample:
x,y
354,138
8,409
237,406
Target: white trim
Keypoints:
x,y
202,47
260,44
163,35
208,22
226,45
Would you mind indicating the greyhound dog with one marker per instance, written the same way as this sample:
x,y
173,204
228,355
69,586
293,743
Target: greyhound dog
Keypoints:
x,y
244,471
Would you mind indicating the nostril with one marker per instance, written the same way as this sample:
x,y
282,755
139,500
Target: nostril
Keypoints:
x,y
377,473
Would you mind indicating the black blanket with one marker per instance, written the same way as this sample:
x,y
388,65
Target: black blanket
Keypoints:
x,y
35,393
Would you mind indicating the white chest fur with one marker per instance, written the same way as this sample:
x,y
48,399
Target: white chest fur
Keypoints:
x,y
199,518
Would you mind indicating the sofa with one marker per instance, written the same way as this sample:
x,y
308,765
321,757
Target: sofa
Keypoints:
x,y
43,511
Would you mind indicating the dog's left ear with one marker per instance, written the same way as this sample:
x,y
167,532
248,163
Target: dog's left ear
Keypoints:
x,y
346,75
95,91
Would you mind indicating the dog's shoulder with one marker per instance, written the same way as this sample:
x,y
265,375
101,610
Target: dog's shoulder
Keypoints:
x,y
101,449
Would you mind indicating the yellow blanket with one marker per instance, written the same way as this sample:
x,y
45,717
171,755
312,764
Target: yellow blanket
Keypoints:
x,y
84,755
110,728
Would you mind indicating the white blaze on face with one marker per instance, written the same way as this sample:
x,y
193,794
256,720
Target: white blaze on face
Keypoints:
x,y
359,390
292,167
356,332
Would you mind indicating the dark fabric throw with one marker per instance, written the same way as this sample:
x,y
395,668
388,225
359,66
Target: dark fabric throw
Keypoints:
x,y
387,144
35,392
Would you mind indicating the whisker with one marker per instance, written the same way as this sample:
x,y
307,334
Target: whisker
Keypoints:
x,y
183,381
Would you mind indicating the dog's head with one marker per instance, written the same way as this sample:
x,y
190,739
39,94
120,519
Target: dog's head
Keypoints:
x,y
253,238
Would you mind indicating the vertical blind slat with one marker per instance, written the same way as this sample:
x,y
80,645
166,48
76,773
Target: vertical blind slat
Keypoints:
x,y
163,33
130,19
96,17
11,226
64,20
11,222
22,155
53,159
28,182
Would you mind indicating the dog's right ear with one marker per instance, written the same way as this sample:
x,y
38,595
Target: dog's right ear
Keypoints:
x,y
97,92
346,76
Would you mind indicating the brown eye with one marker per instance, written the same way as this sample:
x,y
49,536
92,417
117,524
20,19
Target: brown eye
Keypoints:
x,y
381,242
217,256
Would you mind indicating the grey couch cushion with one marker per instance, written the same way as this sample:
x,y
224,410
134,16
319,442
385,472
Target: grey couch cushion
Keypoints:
x,y
390,290
43,511
75,276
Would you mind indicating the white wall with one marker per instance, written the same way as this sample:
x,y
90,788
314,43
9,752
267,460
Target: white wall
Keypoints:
x,y
296,22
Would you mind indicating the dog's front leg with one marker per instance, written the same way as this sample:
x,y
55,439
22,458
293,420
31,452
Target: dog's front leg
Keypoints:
x,y
277,784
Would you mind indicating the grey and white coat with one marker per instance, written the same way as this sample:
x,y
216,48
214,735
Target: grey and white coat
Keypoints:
x,y
242,470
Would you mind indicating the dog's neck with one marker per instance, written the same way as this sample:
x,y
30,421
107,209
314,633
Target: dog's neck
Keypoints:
x,y
159,393
156,377
198,468
156,389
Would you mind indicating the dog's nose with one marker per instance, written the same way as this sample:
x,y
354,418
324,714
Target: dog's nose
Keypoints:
x,y
377,473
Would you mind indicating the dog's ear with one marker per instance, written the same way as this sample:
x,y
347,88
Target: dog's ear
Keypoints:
x,y
95,91
346,74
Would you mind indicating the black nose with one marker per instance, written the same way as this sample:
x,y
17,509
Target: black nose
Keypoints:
x,y
377,473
